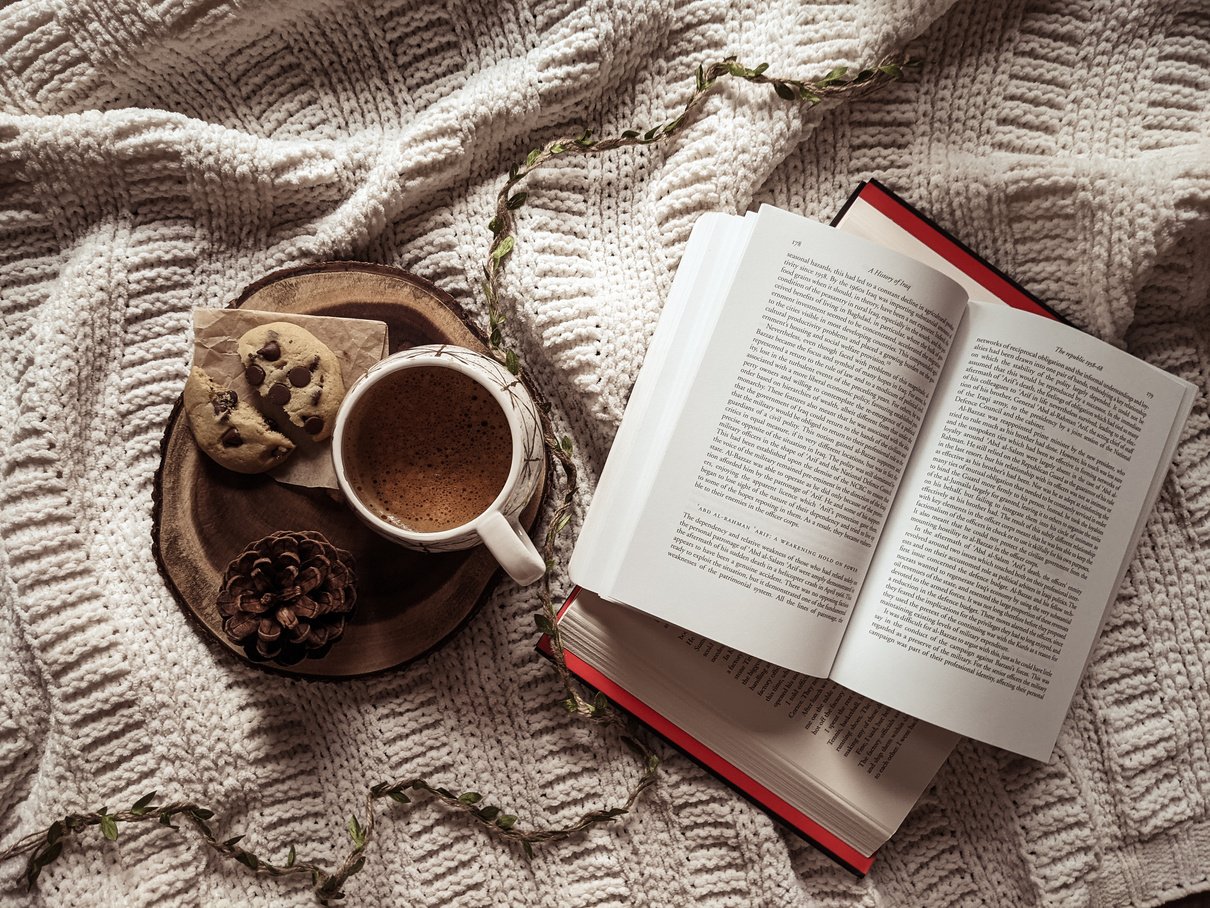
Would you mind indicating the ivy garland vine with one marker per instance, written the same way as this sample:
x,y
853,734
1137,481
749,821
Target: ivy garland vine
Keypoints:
x,y
327,883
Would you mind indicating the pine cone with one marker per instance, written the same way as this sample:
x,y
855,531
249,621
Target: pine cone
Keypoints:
x,y
287,596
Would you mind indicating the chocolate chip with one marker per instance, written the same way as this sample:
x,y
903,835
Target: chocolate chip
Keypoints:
x,y
299,376
315,397
314,425
255,375
231,438
224,402
270,351
279,394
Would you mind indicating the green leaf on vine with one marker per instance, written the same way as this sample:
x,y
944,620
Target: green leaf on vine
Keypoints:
x,y
109,827
356,833
512,362
516,201
505,247
140,806
249,860
290,857
784,91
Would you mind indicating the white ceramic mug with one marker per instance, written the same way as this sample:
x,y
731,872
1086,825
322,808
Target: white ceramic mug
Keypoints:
x,y
498,527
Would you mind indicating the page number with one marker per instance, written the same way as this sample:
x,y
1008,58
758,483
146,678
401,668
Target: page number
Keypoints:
x,y
794,243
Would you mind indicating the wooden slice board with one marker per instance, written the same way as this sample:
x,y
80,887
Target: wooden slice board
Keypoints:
x,y
408,603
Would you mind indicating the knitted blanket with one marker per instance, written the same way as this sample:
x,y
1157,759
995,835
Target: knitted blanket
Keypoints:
x,y
159,156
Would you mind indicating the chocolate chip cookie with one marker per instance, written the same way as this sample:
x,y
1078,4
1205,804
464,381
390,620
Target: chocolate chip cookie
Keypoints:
x,y
231,431
290,367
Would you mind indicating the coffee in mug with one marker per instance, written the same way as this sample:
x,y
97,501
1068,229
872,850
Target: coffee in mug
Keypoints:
x,y
428,449
440,448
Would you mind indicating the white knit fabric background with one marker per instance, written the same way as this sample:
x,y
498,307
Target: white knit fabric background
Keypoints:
x,y
156,156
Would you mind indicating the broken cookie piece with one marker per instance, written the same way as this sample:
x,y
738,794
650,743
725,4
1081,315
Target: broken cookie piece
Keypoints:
x,y
232,432
293,369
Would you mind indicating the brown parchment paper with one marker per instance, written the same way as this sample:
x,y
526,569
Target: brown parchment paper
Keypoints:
x,y
357,343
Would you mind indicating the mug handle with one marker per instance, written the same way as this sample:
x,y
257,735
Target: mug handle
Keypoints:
x,y
512,547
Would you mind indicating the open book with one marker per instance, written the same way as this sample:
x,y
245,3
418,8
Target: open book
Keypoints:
x,y
845,463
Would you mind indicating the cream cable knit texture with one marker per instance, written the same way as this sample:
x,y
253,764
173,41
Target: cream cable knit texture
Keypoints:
x,y
160,156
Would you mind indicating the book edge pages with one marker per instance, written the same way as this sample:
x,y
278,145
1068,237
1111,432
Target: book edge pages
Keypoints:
x,y
813,832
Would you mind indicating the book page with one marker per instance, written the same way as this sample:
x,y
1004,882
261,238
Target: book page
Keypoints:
x,y
782,462
864,220
848,763
1032,477
681,335
877,215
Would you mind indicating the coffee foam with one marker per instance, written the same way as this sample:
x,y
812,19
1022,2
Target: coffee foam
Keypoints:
x,y
427,449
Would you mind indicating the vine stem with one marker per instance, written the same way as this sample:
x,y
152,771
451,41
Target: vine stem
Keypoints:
x,y
45,846
839,82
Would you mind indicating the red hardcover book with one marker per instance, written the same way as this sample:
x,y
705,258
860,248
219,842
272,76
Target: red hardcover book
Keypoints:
x,y
731,609
873,211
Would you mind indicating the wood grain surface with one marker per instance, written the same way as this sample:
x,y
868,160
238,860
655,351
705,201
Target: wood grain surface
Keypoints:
x,y
409,603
